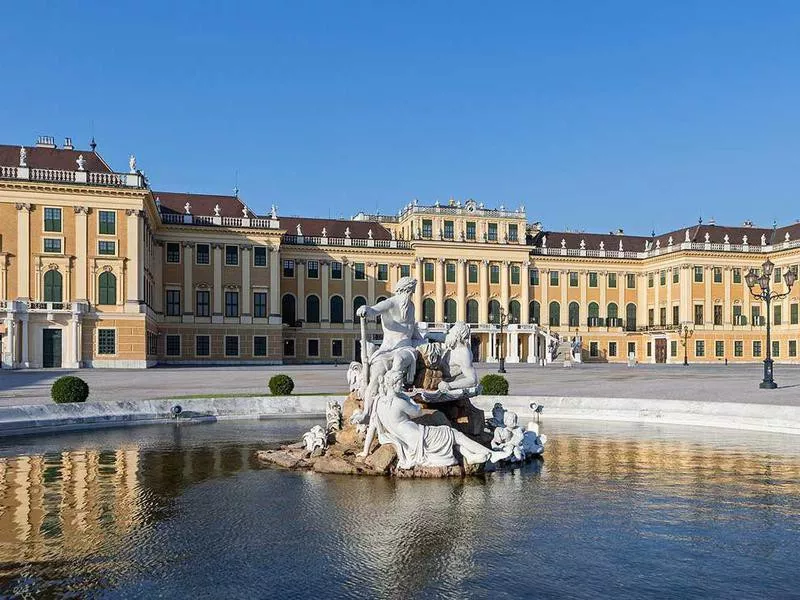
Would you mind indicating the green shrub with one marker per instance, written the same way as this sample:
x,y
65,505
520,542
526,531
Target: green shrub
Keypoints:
x,y
281,385
494,385
69,389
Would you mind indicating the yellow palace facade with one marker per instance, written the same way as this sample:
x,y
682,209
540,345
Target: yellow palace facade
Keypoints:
x,y
97,269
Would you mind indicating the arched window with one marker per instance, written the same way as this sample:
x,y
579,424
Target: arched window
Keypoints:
x,y
107,282
472,311
494,312
358,302
594,314
312,309
449,311
337,309
378,301
428,310
52,287
555,314
574,314
611,312
630,317
513,311
288,310
535,312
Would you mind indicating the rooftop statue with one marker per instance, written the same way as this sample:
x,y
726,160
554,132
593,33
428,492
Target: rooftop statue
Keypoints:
x,y
23,157
132,163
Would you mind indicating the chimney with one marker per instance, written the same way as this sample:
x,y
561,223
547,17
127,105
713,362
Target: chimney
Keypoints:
x,y
46,141
68,144
712,222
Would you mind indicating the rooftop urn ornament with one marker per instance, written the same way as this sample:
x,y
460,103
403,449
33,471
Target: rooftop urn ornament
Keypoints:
x,y
787,237
81,162
369,234
658,244
544,241
583,245
273,212
23,157
744,240
347,232
324,232
687,236
216,210
132,163
726,239
763,240
188,208
708,237
669,241
563,243
602,245
299,229
244,212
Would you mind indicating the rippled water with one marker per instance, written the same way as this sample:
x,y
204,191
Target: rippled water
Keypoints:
x,y
628,511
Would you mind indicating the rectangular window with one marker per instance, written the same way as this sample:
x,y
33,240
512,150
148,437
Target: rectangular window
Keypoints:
x,y
698,314
718,314
755,315
259,345
662,316
231,256
202,345
699,348
612,280
231,345
630,281
756,348
494,273
106,248
336,348
676,313
259,256
513,232
649,280
777,312
383,272
173,345
288,347
592,279
792,348
738,348
106,341
651,318
594,349
471,230
573,279
698,274
405,270
52,219
676,275
612,348
312,269
737,314
673,348
793,314
312,348
202,306
719,348
427,228
717,274
450,272
52,245
231,304
776,275
173,252
492,232
108,222
336,270
202,254
662,278
288,268
260,305
472,273
514,274
737,276
776,348
554,278
427,271
173,303
359,271
534,276
448,230
649,349
632,349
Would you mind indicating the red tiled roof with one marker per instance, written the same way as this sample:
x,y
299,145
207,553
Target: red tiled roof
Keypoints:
x,y
201,204
53,158
716,235
334,227
630,243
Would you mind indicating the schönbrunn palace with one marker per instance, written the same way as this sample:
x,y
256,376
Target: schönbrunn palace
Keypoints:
x,y
99,270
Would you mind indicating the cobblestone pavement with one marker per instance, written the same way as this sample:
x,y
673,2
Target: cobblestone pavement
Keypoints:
x,y
707,382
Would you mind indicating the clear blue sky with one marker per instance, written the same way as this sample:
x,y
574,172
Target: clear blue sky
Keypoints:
x,y
593,114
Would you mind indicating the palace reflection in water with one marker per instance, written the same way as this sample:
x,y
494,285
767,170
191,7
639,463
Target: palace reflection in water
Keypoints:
x,y
93,518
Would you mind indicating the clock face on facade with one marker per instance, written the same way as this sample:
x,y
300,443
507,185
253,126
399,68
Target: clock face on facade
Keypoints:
x,y
470,205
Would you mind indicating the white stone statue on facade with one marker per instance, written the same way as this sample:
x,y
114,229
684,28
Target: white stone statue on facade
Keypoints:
x,y
583,245
132,163
369,234
544,241
299,229
324,232
273,212
347,233
744,240
669,241
23,157
188,208
333,416
602,245
216,210
787,237
686,237
708,237
315,439
658,244
620,246
763,240
563,243
81,162
726,239
245,212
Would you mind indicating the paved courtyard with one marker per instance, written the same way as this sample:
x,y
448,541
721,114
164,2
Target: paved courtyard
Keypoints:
x,y
707,382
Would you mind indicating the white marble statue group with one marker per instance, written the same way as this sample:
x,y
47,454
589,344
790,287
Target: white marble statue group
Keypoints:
x,y
511,442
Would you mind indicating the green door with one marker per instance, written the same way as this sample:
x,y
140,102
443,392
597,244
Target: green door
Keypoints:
x,y
51,344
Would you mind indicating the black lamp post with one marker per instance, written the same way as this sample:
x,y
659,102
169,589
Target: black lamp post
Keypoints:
x,y
687,333
503,318
768,295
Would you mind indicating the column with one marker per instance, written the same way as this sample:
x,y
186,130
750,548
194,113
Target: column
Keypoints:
x,y
512,343
686,294
134,265
504,268
24,254
708,302
247,293
274,286
563,282
584,310
656,301
325,300
393,276
418,290
439,307
188,287
74,356
216,310
24,358
641,299
533,346
9,356
81,243
544,287
727,309
483,306
669,296
603,283
158,283
747,298
621,308
300,274
347,273
461,286
372,277
525,300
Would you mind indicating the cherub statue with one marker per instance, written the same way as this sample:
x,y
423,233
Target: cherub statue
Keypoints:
x,y
507,441
497,418
315,439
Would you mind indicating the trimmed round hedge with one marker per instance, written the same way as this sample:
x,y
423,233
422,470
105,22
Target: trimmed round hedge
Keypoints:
x,y
494,385
281,385
69,389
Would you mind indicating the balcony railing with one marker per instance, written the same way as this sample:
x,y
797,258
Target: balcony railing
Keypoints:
x,y
133,180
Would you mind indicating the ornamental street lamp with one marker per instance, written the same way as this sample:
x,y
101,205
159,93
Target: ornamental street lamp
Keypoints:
x,y
503,318
685,335
768,295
